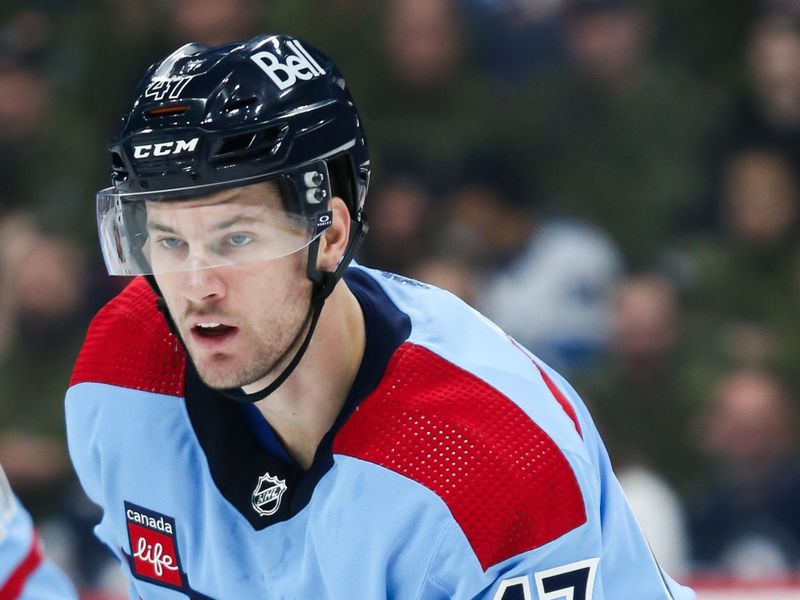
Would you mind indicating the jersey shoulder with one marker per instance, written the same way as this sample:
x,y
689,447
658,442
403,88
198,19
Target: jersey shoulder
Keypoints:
x,y
497,471
129,344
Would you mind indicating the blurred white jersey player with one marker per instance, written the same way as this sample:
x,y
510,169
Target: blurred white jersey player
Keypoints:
x,y
25,573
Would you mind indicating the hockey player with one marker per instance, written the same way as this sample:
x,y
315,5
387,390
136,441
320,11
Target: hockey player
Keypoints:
x,y
261,418
25,574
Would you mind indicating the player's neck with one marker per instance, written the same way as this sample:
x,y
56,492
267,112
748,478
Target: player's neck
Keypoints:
x,y
304,408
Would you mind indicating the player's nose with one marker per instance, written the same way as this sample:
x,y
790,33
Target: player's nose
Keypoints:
x,y
203,284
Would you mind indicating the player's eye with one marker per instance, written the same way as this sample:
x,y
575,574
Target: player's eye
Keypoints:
x,y
239,239
170,243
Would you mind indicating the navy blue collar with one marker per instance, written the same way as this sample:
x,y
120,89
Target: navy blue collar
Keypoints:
x,y
241,446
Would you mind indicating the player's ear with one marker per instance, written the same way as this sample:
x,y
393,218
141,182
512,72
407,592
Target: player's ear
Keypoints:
x,y
334,239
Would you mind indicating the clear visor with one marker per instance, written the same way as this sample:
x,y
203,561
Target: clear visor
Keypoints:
x,y
151,233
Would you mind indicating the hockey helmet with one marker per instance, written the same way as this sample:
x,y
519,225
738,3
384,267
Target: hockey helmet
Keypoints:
x,y
204,120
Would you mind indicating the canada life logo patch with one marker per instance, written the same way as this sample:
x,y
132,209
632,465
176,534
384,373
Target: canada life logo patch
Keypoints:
x,y
154,548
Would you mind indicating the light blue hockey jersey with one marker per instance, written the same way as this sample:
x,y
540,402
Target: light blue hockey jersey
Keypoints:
x,y
460,467
25,574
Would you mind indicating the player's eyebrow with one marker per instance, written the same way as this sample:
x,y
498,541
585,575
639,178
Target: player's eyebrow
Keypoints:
x,y
238,220
159,227
156,226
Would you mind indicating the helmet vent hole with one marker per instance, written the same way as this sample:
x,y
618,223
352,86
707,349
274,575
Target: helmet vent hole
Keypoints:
x,y
236,143
237,103
251,145
118,170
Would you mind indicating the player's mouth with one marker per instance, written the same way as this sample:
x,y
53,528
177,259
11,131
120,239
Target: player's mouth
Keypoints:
x,y
211,333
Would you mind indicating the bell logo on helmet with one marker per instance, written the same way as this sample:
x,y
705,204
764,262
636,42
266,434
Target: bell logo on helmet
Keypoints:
x,y
299,65
165,148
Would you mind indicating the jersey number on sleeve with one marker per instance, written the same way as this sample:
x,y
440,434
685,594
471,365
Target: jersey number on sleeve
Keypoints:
x,y
574,581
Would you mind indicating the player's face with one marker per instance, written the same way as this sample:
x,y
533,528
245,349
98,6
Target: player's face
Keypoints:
x,y
237,321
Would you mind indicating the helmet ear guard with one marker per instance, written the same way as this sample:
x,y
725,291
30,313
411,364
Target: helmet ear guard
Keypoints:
x,y
343,178
343,182
327,280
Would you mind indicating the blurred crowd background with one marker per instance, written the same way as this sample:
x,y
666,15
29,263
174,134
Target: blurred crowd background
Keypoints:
x,y
614,182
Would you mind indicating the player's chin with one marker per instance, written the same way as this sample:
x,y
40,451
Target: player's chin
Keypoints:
x,y
229,370
219,381
217,371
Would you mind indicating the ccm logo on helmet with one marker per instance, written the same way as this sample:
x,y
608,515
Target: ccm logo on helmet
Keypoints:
x,y
299,65
165,148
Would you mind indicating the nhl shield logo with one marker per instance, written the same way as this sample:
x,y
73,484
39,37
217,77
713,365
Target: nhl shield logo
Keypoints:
x,y
267,495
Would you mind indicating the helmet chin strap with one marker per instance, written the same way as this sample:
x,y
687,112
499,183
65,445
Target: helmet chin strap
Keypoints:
x,y
323,283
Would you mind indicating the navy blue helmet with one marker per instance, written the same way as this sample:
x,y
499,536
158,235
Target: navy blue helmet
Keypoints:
x,y
205,119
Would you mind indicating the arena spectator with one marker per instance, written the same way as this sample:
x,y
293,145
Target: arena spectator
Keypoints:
x,y
617,137
747,522
546,281
645,391
773,53
743,271
213,23
426,100
401,211
46,290
517,40
768,112
23,108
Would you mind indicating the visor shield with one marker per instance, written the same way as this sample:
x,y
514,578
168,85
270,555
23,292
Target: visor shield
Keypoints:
x,y
185,230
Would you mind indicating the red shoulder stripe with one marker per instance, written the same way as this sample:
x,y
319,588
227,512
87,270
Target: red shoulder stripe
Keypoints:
x,y
506,482
19,577
559,396
130,345
557,393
